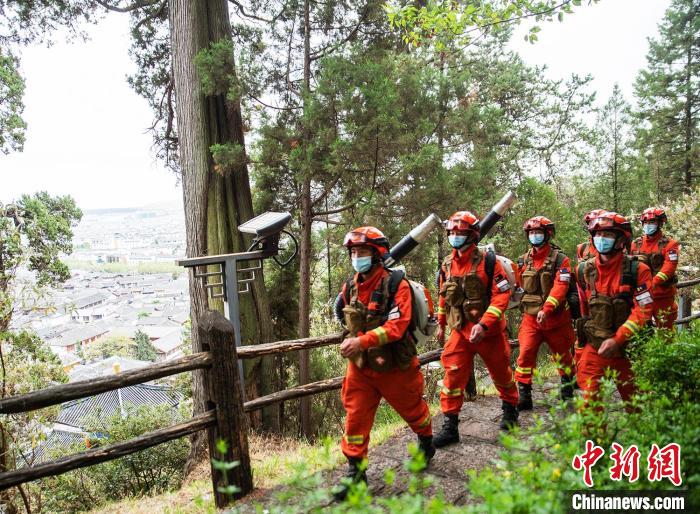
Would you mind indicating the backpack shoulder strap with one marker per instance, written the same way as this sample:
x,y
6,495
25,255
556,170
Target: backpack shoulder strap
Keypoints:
x,y
447,263
521,260
349,285
559,260
630,269
489,267
637,244
394,279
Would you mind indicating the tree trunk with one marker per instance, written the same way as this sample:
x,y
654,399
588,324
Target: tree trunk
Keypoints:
x,y
214,204
305,245
687,164
305,302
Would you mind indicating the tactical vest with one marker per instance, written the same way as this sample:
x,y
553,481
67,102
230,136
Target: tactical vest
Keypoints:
x,y
586,252
537,283
466,297
655,260
363,318
606,313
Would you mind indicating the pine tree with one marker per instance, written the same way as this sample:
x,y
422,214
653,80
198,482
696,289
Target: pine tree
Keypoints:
x,y
143,349
668,92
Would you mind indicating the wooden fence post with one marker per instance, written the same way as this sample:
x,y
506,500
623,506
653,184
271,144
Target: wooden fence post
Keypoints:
x,y
224,389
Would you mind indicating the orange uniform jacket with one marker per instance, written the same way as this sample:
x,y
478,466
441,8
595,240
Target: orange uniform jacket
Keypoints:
x,y
400,317
557,296
668,269
608,283
492,318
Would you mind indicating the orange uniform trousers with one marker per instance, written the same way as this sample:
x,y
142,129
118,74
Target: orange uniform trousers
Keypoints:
x,y
458,358
592,367
560,339
665,312
361,393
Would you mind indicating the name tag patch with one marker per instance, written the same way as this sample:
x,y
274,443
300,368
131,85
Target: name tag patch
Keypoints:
x,y
564,275
394,313
672,255
644,298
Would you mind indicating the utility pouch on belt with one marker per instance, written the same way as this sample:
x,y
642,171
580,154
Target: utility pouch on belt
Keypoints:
x,y
381,358
454,296
600,326
656,262
621,309
579,325
546,282
475,296
531,301
355,317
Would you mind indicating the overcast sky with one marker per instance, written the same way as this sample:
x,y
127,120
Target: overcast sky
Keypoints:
x,y
87,129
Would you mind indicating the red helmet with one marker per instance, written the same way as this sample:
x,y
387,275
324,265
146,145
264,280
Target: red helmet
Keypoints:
x,y
590,215
609,220
462,220
653,213
367,236
540,223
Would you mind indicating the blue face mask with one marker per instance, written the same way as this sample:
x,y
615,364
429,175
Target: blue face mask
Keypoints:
x,y
536,239
362,264
604,245
457,241
650,228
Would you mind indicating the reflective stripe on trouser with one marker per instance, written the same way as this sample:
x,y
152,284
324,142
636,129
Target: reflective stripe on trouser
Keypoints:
x,y
457,359
361,393
530,336
665,312
592,367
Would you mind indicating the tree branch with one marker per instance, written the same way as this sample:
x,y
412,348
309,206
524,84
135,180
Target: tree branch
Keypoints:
x,y
138,4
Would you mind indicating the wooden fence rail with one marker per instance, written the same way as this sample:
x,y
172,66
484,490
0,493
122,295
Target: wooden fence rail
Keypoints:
x,y
225,420
66,392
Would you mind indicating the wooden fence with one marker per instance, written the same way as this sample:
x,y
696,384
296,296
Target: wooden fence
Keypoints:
x,y
224,420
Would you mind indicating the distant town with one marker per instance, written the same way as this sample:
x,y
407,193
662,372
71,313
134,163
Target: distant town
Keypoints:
x,y
123,281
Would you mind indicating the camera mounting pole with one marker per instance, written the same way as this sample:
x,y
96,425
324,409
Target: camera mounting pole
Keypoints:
x,y
224,282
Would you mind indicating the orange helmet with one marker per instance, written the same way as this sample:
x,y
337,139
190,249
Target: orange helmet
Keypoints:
x,y
462,220
367,236
590,215
653,213
609,220
540,223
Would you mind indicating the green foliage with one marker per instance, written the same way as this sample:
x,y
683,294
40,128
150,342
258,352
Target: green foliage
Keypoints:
x,y
668,93
34,233
228,157
110,346
143,348
683,214
12,126
151,471
443,22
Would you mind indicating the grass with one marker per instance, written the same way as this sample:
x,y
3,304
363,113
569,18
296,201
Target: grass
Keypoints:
x,y
275,461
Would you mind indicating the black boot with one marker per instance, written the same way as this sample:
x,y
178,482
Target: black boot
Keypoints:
x,y
425,444
510,416
353,475
471,394
567,387
448,433
525,393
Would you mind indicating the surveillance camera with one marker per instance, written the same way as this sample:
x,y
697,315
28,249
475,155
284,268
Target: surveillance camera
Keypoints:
x,y
266,225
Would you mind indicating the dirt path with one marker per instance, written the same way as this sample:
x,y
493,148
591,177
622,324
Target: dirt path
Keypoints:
x,y
478,447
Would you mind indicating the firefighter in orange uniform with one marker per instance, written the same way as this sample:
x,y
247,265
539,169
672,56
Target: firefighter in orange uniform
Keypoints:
x,y
545,275
474,293
660,253
586,250
616,295
381,352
